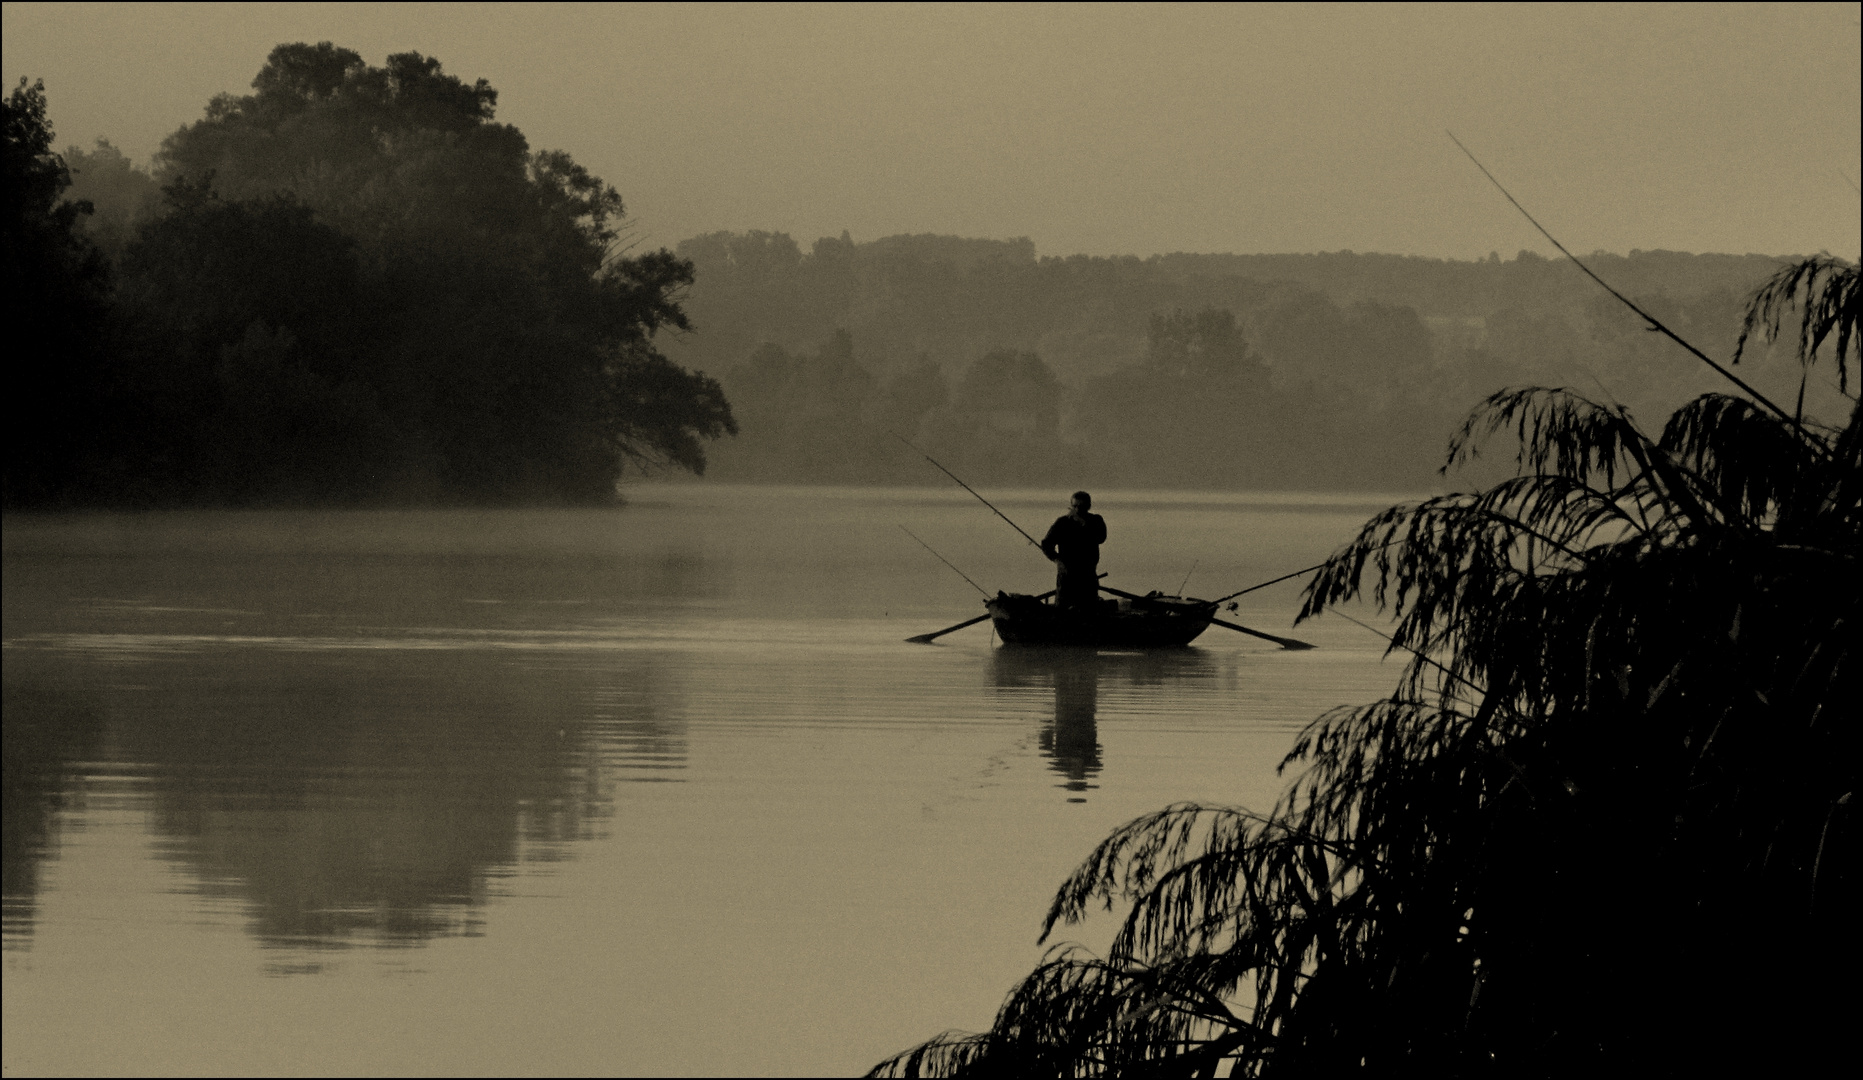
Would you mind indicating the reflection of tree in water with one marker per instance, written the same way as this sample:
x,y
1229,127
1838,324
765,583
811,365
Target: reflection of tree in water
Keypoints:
x,y
640,727
371,797
1072,741
45,730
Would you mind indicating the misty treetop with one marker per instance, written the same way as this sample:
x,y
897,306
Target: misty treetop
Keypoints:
x,y
122,196
357,286
1332,370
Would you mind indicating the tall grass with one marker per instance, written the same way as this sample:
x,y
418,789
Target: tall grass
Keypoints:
x,y
1606,818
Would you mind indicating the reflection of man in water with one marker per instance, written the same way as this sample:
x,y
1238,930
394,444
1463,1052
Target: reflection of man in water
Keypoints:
x,y
1073,545
1073,743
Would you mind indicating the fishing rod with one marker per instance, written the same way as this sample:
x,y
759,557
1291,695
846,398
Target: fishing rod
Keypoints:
x,y
1654,323
947,562
968,488
1265,584
1295,574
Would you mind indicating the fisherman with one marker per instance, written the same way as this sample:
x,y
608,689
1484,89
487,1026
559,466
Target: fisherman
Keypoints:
x,y
1073,545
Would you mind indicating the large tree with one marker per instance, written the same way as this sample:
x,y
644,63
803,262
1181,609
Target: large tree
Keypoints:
x,y
490,318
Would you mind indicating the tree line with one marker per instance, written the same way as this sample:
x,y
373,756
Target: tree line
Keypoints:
x,y
353,285
350,285
1334,370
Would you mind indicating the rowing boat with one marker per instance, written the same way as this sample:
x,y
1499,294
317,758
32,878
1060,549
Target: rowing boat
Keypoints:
x,y
1126,622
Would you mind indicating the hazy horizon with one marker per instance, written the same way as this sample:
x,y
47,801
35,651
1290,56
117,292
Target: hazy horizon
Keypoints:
x,y
1098,131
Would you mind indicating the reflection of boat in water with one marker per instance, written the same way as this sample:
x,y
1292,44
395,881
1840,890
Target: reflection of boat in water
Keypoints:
x,y
1071,743
1128,622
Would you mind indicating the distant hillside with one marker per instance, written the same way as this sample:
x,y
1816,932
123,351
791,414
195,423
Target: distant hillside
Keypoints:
x,y
1353,368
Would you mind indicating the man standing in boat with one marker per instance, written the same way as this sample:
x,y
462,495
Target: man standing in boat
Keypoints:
x,y
1073,545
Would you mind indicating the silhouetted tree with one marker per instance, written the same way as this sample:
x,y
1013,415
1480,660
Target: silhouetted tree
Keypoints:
x,y
512,345
1607,819
250,355
57,314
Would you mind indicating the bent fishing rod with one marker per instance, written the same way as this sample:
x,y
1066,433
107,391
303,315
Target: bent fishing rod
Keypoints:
x,y
968,488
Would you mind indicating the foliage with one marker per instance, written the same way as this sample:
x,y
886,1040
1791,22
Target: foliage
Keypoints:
x,y
1829,306
1198,380
1003,422
512,347
1370,357
359,287
247,331
56,288
824,417
1607,818
123,197
804,413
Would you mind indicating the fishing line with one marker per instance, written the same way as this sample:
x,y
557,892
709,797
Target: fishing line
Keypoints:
x,y
945,561
1419,655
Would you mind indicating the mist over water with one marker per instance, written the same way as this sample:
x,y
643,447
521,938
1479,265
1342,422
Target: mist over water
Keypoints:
x,y
650,789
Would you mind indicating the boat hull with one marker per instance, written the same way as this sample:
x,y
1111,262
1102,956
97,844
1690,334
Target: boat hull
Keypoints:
x,y
1149,623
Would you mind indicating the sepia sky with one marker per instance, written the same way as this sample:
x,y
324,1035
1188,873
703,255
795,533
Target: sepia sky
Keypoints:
x,y
1103,130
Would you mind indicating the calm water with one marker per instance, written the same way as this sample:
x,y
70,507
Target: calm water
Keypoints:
x,y
650,790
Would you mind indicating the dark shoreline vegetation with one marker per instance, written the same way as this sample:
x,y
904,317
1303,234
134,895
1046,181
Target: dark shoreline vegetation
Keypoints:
x,y
1605,821
353,287
348,287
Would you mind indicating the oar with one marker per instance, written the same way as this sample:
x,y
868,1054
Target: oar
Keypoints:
x,y
926,639
1283,642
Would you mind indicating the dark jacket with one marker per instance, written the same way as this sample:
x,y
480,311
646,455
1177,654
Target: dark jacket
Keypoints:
x,y
1075,543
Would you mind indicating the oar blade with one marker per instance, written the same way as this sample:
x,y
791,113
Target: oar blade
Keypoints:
x,y
927,639
1283,642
